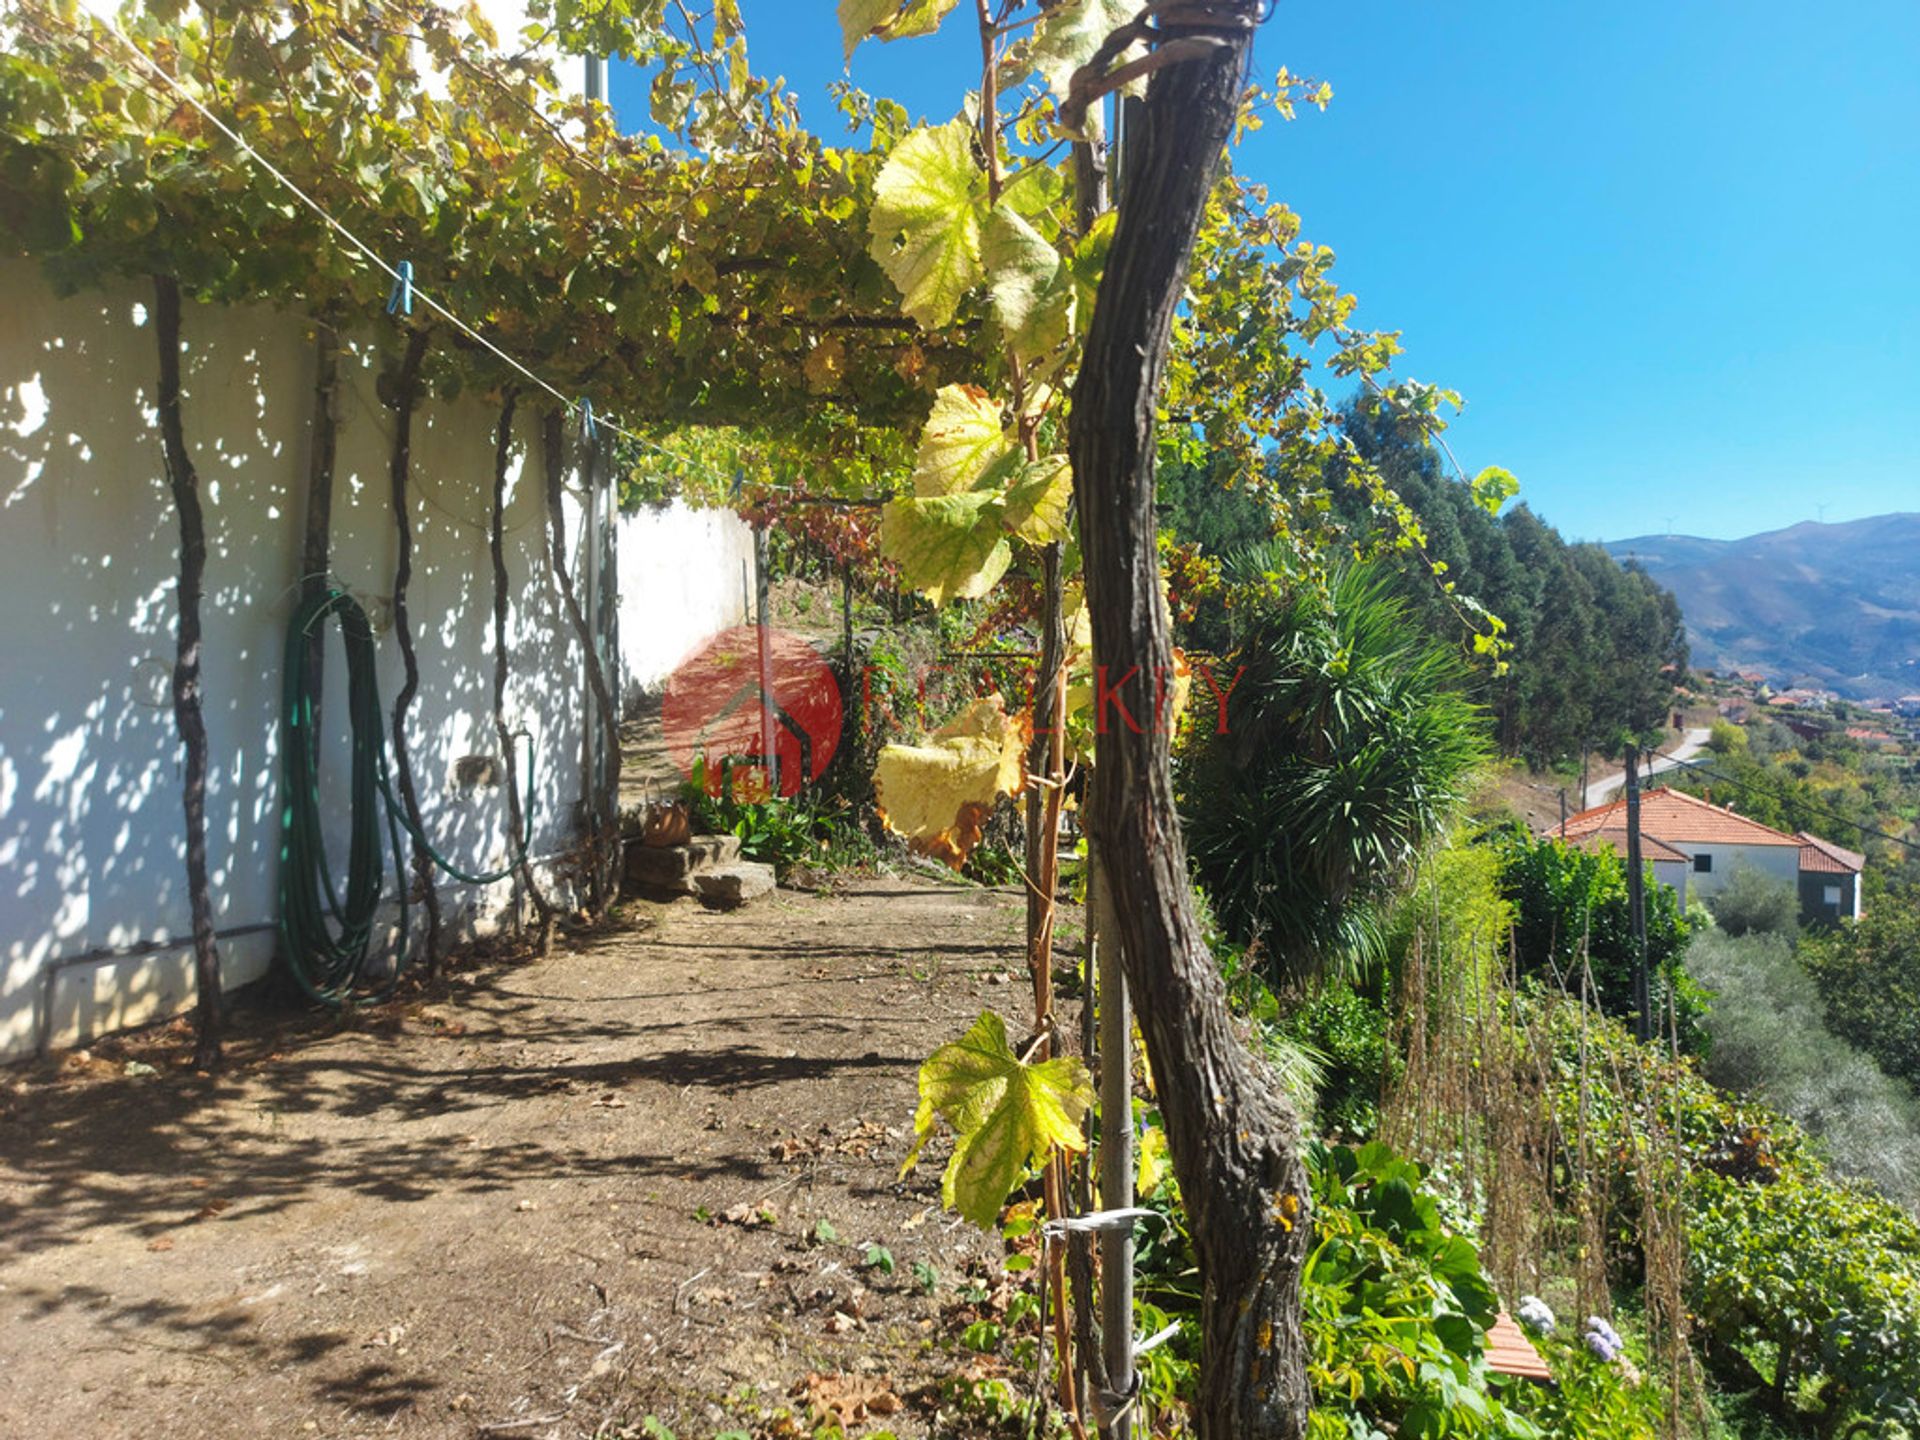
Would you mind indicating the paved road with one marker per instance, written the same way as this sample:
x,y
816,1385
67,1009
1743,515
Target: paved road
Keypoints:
x,y
1691,744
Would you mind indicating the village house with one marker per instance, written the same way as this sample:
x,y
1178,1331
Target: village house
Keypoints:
x,y
1695,848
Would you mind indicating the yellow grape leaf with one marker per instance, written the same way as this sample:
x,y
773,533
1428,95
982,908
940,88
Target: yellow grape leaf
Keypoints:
x,y
1037,503
889,19
938,795
1006,1116
1070,35
960,443
1153,1160
948,547
1031,292
925,224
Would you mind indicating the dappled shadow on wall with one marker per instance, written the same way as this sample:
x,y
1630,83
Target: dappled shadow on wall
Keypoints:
x,y
92,881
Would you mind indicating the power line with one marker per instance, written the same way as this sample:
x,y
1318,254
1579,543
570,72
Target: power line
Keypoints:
x,y
406,279
1834,817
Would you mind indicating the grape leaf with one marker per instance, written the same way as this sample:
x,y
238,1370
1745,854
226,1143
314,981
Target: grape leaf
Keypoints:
x,y
1007,1116
960,443
1493,487
938,795
889,20
948,547
925,227
1037,503
1069,36
1031,293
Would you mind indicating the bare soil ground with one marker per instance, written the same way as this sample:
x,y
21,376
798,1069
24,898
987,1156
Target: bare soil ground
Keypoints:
x,y
550,1198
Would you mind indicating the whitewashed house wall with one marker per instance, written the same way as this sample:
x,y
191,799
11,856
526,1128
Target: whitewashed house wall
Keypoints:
x,y
1780,863
685,575
93,910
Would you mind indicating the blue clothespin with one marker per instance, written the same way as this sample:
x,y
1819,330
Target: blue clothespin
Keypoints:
x,y
400,300
587,427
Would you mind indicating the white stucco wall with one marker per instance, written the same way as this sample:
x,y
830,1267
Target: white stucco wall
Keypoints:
x,y
1780,863
685,574
93,914
1673,874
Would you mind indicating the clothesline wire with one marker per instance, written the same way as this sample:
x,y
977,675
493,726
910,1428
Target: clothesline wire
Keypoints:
x,y
394,273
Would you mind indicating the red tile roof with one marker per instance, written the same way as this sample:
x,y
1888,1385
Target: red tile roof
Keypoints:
x,y
1650,848
1823,857
1509,1352
1678,818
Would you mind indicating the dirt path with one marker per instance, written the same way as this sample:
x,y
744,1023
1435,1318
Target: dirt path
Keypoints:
x,y
505,1212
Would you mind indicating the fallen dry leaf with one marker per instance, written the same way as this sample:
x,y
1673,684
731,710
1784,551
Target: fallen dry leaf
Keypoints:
x,y
163,1243
845,1400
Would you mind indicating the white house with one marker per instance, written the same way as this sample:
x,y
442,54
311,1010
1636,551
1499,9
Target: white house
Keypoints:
x,y
1695,847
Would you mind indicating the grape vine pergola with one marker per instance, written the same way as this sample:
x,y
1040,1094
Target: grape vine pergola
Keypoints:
x,y
951,314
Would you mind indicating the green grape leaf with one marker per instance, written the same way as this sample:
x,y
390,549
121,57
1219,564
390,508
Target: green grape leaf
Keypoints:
x,y
1007,1116
889,20
1031,293
1037,503
1069,36
925,226
938,795
1493,487
961,442
948,547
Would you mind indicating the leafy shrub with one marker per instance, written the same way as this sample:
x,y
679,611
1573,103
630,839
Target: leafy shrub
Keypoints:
x,y
1805,1287
1868,972
1349,743
810,828
1821,1280
1347,1030
1397,1311
1569,903
1770,1040
1754,903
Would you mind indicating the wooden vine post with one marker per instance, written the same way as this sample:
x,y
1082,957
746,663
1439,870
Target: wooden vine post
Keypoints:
x,y
1231,1132
184,481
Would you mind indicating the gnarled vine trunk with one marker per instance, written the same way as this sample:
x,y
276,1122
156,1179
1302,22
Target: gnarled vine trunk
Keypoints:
x,y
184,481
603,829
316,549
406,395
509,752
1232,1134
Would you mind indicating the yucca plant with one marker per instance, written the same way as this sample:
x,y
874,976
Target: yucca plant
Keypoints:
x,y
1349,742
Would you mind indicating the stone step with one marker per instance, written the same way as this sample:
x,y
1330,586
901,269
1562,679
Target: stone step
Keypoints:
x,y
726,886
671,868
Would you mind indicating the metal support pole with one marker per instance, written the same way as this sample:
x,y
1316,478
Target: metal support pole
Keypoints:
x,y
1116,1141
762,583
1637,902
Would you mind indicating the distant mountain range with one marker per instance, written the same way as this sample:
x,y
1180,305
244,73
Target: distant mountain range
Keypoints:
x,y
1830,606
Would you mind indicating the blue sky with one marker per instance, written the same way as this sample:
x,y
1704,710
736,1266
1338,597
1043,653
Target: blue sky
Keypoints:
x,y
1670,254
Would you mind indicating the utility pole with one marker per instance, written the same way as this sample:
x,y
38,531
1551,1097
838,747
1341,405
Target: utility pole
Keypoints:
x,y
762,582
1637,902
1563,811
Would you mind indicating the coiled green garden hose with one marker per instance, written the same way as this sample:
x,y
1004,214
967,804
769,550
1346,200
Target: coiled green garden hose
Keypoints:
x,y
325,936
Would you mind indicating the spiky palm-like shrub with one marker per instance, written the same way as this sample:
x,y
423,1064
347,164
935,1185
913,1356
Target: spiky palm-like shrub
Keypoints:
x,y
1349,742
